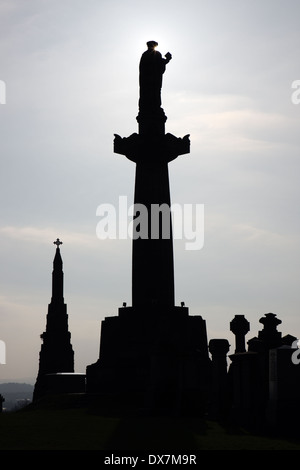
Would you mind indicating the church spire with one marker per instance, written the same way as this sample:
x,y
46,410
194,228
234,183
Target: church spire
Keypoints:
x,y
56,355
57,275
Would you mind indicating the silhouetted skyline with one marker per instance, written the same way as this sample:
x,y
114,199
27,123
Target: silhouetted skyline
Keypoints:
x,y
71,75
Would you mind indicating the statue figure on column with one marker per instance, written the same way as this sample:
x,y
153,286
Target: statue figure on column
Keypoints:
x,y
152,68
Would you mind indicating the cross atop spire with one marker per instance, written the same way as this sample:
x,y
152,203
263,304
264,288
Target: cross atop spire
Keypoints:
x,y
57,242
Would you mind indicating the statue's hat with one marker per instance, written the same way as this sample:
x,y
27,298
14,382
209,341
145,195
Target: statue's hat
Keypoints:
x,y
152,43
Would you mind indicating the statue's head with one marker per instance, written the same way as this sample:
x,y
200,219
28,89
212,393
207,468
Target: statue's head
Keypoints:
x,y
152,44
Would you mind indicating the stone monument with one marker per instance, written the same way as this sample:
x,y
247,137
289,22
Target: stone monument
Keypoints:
x,y
153,352
263,380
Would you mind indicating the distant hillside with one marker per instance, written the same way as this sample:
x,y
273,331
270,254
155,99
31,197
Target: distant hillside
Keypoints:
x,y
16,395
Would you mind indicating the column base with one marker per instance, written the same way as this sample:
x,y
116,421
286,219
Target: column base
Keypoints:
x,y
156,357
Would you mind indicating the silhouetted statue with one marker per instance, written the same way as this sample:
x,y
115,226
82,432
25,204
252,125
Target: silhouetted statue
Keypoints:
x,y
152,67
153,352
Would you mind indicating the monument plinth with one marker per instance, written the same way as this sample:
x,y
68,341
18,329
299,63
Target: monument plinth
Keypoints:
x,y
152,350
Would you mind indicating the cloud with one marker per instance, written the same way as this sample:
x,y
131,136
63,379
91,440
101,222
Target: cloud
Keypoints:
x,y
233,121
251,235
45,235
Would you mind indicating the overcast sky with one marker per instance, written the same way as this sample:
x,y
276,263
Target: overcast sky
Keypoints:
x,y
71,73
